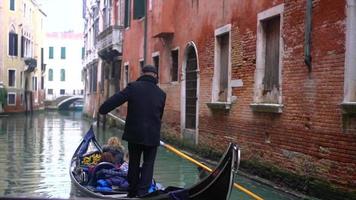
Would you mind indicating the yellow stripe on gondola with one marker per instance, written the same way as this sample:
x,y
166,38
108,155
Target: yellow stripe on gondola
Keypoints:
x,y
182,155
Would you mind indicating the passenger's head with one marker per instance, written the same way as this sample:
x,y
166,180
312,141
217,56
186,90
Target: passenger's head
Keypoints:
x,y
107,157
115,142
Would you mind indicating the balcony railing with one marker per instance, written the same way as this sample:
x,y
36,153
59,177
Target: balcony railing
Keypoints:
x,y
110,40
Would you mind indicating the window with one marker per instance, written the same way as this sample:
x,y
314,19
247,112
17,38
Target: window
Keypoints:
x,y
268,61
141,66
50,75
62,91
96,30
22,46
272,34
50,54
12,77
127,78
107,13
63,75
21,77
222,65
174,69
127,13
83,52
350,57
42,82
12,4
13,44
11,98
94,78
139,9
50,91
24,10
156,63
34,83
63,53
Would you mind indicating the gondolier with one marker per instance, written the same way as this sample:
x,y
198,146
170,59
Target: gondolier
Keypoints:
x,y
146,103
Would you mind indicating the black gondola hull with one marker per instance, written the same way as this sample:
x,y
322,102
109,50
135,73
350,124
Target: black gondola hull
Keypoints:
x,y
215,186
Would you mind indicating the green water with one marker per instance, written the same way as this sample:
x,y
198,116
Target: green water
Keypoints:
x,y
35,153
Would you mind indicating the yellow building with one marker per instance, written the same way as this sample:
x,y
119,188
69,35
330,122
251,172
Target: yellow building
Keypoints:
x,y
21,62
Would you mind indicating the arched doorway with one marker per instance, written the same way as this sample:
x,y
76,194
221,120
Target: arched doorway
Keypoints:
x,y
190,91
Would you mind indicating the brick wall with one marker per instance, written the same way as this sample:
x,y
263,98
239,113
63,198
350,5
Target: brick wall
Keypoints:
x,y
307,138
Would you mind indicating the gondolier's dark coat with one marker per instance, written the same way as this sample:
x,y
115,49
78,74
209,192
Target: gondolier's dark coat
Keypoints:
x,y
146,103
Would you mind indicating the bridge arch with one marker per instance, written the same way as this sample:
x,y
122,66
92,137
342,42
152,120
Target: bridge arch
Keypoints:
x,y
64,104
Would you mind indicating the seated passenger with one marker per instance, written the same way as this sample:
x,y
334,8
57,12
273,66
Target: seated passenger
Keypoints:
x,y
115,147
108,175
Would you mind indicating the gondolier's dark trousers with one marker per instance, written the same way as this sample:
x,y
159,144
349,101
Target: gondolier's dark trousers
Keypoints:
x,y
140,179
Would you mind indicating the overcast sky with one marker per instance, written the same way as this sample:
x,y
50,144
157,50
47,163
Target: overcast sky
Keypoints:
x,y
63,15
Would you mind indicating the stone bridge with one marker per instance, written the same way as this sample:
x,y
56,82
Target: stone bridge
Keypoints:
x,y
63,102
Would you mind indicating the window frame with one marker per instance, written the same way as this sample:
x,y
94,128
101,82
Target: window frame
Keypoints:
x,y
127,14
50,52
60,91
12,5
8,70
226,29
49,89
63,75
50,74
259,100
63,53
8,98
15,46
172,69
137,15
350,49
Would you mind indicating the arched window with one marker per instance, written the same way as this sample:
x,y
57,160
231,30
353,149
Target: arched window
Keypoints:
x,y
50,74
13,41
63,75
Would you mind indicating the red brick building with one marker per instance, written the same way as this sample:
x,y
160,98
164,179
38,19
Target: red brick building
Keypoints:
x,y
276,77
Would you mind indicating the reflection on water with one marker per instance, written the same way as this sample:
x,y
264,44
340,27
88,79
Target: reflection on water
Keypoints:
x,y
35,153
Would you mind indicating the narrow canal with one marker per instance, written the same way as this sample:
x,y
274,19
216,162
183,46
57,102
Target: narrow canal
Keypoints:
x,y
35,153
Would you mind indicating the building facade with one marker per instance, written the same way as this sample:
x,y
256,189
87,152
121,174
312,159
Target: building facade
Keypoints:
x,y
276,77
21,65
102,50
63,57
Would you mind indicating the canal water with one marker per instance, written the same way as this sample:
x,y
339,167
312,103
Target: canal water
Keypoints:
x,y
35,153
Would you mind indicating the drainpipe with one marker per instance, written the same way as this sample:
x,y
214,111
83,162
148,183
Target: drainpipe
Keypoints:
x,y
307,39
145,34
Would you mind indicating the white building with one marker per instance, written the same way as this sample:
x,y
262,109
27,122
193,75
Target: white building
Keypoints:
x,y
63,58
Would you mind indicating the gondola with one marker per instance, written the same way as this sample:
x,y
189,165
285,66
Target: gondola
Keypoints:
x,y
217,185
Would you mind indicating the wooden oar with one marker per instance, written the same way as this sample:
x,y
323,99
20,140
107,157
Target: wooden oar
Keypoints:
x,y
185,156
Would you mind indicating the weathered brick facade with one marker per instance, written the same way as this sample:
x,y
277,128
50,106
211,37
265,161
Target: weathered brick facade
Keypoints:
x,y
309,137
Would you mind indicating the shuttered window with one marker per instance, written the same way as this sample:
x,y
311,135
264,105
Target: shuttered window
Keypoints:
x,y
139,9
12,4
22,46
12,78
63,53
272,34
174,69
127,13
63,75
83,52
223,41
50,75
13,44
50,91
50,54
